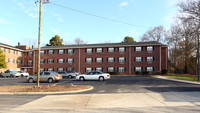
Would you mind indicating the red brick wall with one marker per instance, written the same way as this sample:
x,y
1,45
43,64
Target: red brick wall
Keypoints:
x,y
105,55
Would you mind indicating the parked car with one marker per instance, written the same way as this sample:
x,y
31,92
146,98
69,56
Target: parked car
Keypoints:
x,y
23,73
10,73
93,76
68,74
45,77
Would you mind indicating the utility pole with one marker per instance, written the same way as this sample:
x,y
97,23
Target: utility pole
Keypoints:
x,y
198,53
39,36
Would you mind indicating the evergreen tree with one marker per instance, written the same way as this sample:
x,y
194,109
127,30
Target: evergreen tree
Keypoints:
x,y
55,41
2,60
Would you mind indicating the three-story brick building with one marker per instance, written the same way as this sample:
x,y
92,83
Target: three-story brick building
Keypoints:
x,y
124,58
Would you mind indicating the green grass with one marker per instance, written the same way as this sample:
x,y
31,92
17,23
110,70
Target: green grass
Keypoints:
x,y
183,77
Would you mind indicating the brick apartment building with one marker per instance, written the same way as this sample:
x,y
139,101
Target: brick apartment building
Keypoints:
x,y
124,58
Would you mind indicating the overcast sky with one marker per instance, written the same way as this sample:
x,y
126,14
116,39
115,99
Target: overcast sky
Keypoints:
x,y
19,19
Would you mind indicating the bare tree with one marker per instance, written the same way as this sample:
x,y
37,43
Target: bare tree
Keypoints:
x,y
30,43
78,41
154,34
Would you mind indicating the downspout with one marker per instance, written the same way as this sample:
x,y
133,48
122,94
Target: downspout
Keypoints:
x,y
129,60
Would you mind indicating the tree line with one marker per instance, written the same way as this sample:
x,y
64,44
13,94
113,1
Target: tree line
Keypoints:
x,y
181,38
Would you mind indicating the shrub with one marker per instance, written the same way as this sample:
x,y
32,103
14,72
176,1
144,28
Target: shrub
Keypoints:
x,y
145,72
113,73
164,71
137,72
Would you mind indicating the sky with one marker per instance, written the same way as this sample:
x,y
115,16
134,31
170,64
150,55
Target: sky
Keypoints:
x,y
19,20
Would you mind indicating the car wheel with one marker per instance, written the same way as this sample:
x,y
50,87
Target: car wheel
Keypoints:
x,y
11,76
1,76
101,78
50,80
22,75
30,80
70,76
81,79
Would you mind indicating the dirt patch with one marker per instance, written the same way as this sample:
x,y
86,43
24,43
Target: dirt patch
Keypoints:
x,y
44,88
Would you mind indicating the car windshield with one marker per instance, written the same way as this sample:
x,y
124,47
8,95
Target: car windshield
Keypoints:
x,y
54,72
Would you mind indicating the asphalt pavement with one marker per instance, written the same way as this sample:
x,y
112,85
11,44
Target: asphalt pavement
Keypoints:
x,y
120,94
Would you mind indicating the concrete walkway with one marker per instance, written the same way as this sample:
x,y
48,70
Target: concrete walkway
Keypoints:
x,y
185,81
124,100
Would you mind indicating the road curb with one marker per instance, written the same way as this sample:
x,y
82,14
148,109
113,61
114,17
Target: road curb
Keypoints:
x,y
36,93
178,80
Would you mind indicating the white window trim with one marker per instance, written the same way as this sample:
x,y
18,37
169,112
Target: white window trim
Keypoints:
x,y
111,59
138,48
121,49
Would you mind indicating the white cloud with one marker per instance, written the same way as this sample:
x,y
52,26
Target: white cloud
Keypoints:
x,y
6,41
55,31
31,11
59,18
3,21
123,4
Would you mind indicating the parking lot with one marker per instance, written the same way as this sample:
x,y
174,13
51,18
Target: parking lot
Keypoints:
x,y
116,95
117,84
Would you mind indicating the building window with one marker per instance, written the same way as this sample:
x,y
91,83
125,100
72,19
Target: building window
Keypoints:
x,y
50,69
121,59
89,50
42,52
138,69
3,49
61,51
138,48
42,61
30,53
149,59
121,69
99,69
111,49
19,53
19,62
50,52
149,48
88,60
70,51
70,69
11,51
138,59
121,49
149,69
50,61
41,69
110,69
11,60
99,50
88,69
30,62
99,59
60,60
111,59
70,60
60,69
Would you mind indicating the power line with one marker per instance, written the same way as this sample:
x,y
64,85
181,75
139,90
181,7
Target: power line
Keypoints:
x,y
105,18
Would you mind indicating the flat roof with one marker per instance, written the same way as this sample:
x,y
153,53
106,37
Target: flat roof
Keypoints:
x,y
103,45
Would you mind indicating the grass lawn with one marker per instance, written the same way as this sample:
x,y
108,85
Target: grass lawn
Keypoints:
x,y
183,76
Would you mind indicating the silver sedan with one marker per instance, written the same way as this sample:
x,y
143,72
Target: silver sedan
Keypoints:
x,y
46,77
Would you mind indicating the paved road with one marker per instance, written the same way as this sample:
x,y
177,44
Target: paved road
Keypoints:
x,y
132,86
118,84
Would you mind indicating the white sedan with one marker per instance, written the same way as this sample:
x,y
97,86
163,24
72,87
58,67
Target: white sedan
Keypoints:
x,y
93,76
